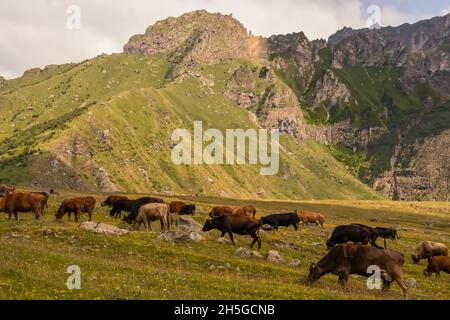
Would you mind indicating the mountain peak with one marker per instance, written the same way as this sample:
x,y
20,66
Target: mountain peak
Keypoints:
x,y
197,37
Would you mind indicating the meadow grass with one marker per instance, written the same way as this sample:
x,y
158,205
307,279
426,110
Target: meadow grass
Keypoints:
x,y
35,255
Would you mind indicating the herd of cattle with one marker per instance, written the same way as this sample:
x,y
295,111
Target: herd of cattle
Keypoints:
x,y
343,258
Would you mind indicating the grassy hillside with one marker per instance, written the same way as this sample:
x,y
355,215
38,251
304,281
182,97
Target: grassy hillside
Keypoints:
x,y
106,124
35,256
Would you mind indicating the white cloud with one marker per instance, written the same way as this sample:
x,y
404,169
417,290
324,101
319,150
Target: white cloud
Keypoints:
x,y
34,33
446,11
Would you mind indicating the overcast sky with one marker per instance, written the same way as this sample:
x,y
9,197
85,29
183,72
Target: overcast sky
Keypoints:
x,y
35,33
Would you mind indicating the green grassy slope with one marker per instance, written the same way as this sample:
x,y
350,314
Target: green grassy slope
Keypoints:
x,y
58,122
35,256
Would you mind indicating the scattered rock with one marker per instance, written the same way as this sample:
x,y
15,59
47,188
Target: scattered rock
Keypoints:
x,y
223,241
243,252
274,256
374,220
181,236
285,245
102,228
294,263
188,224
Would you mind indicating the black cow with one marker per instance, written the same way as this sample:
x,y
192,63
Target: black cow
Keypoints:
x,y
187,210
235,224
281,220
45,195
128,205
354,233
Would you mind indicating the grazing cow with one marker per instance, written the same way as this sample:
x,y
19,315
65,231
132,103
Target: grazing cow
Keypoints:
x,y
128,205
427,250
111,200
152,212
46,196
345,259
176,206
248,211
76,206
235,224
310,217
187,210
353,233
221,211
6,188
12,203
281,220
436,265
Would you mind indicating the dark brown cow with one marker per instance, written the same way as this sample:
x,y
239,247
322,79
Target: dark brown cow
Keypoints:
x,y
12,203
76,206
346,259
176,206
436,265
221,211
230,224
111,200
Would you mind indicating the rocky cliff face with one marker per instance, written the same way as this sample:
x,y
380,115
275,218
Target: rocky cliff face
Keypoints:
x,y
2,81
377,92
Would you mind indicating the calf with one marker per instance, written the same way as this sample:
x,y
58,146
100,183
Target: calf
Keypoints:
x,y
111,200
152,212
310,217
436,265
281,219
187,210
235,224
346,259
76,206
427,250
353,233
380,232
12,203
128,205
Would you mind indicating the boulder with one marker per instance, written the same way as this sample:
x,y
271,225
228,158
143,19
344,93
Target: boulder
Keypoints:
x,y
187,224
102,228
294,263
275,257
181,236
412,283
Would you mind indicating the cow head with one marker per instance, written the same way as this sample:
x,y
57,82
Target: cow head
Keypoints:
x,y
314,273
208,225
415,258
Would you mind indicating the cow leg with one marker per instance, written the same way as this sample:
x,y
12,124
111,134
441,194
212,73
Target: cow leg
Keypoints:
x,y
90,215
147,224
15,216
77,216
36,214
343,281
438,274
9,215
385,244
231,237
402,285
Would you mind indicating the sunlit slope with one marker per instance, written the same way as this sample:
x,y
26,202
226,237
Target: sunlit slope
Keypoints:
x,y
106,125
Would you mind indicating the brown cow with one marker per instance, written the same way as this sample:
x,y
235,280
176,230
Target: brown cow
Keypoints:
x,y
46,196
248,211
427,250
345,259
436,265
12,203
310,217
221,211
152,212
76,206
176,206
